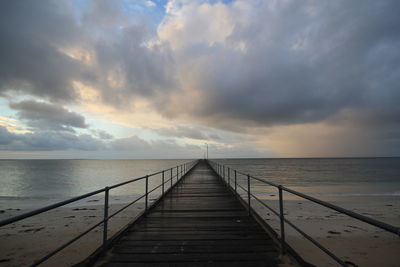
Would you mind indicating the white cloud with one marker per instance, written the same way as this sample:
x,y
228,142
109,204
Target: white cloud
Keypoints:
x,y
150,3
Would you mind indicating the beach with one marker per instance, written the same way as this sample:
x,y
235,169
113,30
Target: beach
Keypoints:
x,y
30,239
348,238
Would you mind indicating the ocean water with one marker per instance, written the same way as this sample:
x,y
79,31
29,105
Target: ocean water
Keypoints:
x,y
323,177
57,179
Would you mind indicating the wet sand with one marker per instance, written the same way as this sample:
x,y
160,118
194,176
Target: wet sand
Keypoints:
x,y
23,242
354,241
348,238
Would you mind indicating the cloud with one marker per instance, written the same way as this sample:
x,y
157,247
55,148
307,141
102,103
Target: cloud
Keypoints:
x,y
47,141
150,3
45,116
199,133
250,67
286,62
32,35
102,134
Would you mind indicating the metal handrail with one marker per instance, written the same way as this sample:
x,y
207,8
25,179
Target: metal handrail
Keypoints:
x,y
220,170
181,170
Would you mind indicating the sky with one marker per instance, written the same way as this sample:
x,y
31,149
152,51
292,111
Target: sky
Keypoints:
x,y
161,79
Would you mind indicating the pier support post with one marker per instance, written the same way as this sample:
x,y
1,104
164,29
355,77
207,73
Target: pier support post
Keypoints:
x,y
105,224
281,216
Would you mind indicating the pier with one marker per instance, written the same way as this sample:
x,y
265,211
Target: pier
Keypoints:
x,y
200,222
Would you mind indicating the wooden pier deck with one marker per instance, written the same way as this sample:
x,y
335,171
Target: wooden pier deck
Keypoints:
x,y
198,223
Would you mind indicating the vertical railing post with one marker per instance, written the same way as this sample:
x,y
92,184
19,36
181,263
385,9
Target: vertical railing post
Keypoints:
x,y
163,182
171,177
235,183
248,194
177,171
147,193
229,177
105,224
281,216
223,172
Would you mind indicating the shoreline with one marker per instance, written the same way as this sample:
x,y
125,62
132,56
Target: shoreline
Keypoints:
x,y
351,240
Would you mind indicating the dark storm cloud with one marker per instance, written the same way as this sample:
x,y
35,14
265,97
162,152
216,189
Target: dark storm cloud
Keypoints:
x,y
304,62
44,116
31,34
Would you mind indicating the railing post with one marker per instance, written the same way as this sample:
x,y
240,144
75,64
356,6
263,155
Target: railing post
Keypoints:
x,y
163,182
105,224
229,177
235,183
248,194
171,177
224,172
147,193
177,171
281,219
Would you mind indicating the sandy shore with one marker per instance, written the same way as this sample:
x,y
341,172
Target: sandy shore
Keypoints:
x,y
23,242
349,239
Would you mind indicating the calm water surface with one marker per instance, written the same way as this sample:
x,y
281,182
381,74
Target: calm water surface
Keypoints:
x,y
320,177
62,178
325,177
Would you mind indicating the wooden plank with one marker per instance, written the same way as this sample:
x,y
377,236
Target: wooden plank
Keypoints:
x,y
191,264
192,249
209,243
195,257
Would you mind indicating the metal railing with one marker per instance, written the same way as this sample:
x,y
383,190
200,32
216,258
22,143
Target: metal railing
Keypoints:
x,y
175,172
224,173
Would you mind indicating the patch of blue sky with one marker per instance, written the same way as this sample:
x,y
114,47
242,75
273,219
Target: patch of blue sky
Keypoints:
x,y
5,110
153,10
79,6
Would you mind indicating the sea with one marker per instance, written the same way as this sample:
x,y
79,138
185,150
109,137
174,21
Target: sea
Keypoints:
x,y
44,181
